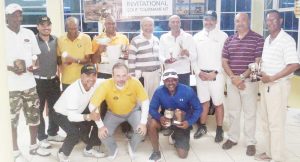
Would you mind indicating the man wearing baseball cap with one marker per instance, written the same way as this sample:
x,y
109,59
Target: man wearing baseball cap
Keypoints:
x,y
181,99
72,114
21,48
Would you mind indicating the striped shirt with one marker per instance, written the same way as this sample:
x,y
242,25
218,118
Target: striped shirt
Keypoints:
x,y
279,53
241,52
143,54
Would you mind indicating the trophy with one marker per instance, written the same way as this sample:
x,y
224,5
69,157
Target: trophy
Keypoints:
x,y
181,48
124,49
35,63
104,57
178,117
169,114
255,71
20,65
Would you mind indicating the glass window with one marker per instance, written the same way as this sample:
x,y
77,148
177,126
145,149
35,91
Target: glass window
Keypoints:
x,y
229,32
161,26
286,3
243,5
227,5
227,21
128,26
197,24
186,25
72,6
211,5
294,35
290,22
268,4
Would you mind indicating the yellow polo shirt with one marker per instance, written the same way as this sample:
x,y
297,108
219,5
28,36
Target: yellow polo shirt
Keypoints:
x,y
78,48
118,39
120,102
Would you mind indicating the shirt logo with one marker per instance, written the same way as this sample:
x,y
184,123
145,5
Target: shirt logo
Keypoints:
x,y
116,98
181,99
26,40
79,45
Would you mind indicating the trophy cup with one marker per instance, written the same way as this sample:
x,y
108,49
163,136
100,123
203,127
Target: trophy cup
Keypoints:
x,y
20,65
255,71
181,48
169,114
124,49
104,57
178,117
35,63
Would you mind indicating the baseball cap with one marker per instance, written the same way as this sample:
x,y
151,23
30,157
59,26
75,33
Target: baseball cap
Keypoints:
x,y
210,14
88,69
13,7
170,73
43,19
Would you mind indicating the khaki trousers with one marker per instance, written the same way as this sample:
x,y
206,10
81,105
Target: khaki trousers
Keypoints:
x,y
151,81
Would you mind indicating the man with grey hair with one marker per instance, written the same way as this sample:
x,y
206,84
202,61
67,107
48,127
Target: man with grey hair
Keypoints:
x,y
144,57
176,49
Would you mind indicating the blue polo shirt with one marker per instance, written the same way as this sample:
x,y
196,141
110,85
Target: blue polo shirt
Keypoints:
x,y
184,99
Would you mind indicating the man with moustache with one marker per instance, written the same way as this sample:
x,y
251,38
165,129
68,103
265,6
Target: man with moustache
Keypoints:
x,y
209,72
239,51
48,84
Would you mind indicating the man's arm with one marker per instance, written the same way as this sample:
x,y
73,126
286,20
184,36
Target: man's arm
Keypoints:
x,y
290,68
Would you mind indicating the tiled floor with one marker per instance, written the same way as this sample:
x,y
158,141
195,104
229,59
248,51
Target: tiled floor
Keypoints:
x,y
202,150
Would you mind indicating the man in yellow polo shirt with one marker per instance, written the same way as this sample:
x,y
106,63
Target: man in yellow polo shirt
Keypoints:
x,y
74,49
127,101
109,48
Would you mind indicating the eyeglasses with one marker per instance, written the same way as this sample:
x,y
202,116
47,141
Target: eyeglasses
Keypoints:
x,y
169,73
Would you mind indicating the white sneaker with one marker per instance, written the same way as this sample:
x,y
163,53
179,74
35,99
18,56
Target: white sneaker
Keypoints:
x,y
45,144
37,150
56,138
112,157
62,157
130,151
93,153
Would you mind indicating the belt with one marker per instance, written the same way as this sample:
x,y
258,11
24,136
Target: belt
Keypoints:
x,y
41,77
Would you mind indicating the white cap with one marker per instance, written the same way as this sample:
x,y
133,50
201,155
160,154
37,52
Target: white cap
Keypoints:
x,y
169,73
13,7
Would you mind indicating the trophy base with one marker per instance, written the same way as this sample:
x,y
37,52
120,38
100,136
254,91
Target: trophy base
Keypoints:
x,y
177,122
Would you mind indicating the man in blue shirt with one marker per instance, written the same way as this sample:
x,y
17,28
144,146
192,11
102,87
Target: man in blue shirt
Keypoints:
x,y
179,98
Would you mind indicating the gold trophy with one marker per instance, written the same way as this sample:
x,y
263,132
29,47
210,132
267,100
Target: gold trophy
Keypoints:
x,y
169,114
255,71
179,117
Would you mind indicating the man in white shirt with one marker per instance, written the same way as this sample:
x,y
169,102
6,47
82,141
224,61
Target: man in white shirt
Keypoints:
x,y
279,61
209,74
21,49
71,115
176,49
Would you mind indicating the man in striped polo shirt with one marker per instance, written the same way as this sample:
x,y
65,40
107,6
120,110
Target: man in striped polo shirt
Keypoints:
x,y
143,56
239,51
279,61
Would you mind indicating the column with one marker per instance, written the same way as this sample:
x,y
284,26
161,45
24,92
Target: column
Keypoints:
x,y
56,13
257,16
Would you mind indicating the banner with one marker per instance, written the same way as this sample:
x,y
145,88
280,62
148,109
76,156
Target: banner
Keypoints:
x,y
146,7
297,8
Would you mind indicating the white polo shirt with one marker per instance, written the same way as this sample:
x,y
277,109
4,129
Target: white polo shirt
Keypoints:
x,y
22,45
279,53
74,100
209,47
169,43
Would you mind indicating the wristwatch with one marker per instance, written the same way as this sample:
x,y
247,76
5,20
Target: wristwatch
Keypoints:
x,y
242,76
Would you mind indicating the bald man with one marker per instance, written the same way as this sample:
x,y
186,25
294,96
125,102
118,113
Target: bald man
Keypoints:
x,y
239,51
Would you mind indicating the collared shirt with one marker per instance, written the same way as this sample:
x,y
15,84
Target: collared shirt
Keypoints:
x,y
143,54
74,100
279,53
78,49
184,99
120,102
21,45
48,58
113,50
169,45
209,47
241,52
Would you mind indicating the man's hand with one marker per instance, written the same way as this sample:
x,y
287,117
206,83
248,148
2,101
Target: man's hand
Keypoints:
x,y
95,116
163,121
184,52
69,60
266,78
203,76
125,54
241,86
211,76
183,125
170,60
236,80
141,129
103,132
102,48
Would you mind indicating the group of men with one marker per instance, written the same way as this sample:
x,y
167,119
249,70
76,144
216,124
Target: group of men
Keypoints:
x,y
91,109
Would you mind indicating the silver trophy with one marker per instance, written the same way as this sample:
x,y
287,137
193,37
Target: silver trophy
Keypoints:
x,y
255,71
169,114
178,117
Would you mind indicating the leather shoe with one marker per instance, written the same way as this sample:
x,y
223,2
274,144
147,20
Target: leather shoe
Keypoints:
x,y
228,145
251,150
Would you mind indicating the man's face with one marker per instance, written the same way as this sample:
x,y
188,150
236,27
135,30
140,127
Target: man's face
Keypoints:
x,y
171,84
15,19
241,22
44,28
273,22
88,80
110,26
72,29
209,23
174,23
120,76
147,27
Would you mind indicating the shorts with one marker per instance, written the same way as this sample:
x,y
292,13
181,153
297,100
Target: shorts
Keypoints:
x,y
211,89
29,101
182,138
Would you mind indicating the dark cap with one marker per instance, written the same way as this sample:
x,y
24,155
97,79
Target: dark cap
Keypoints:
x,y
88,69
43,19
210,15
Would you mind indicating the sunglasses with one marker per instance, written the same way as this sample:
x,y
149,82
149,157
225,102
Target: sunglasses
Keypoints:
x,y
169,73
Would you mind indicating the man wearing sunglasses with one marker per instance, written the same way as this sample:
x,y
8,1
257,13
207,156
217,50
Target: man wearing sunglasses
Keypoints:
x,y
184,103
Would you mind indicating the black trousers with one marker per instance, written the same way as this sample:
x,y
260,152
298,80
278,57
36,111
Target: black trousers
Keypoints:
x,y
48,90
74,131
